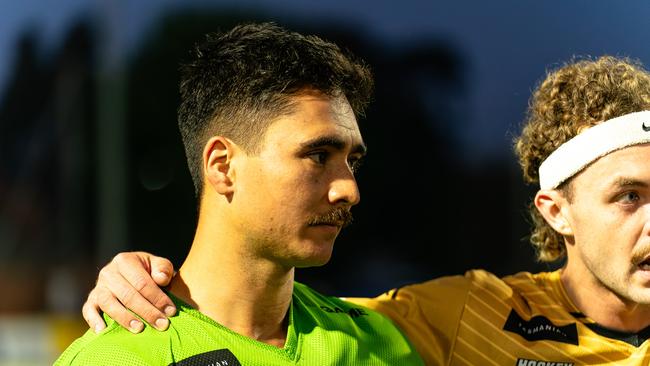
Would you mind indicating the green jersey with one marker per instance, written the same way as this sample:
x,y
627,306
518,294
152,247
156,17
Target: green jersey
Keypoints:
x,y
322,330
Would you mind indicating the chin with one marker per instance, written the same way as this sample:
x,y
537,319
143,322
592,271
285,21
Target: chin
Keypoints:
x,y
319,255
637,289
315,261
640,296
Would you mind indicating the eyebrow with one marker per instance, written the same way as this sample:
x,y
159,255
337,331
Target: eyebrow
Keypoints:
x,y
624,182
334,142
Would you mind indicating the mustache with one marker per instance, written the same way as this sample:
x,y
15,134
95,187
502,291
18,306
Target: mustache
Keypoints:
x,y
639,255
338,217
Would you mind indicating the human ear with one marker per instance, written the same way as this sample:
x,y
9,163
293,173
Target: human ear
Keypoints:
x,y
217,156
553,207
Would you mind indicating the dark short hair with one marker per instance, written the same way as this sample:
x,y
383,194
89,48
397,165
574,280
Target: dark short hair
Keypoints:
x,y
238,81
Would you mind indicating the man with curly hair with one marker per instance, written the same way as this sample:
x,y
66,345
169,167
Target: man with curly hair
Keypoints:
x,y
586,143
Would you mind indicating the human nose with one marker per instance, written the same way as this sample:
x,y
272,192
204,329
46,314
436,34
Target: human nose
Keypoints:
x,y
344,189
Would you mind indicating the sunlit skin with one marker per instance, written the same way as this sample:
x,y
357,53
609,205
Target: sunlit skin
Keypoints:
x,y
304,170
607,231
257,218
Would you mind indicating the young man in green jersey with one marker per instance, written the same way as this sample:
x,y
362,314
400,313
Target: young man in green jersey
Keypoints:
x,y
586,143
268,120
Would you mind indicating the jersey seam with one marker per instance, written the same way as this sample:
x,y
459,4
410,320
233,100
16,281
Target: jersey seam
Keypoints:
x,y
460,318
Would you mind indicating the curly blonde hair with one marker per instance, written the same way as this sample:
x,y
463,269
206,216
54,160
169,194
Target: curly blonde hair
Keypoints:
x,y
579,94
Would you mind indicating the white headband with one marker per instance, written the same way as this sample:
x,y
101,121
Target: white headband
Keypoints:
x,y
595,142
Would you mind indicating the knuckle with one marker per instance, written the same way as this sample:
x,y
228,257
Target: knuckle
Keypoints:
x,y
85,311
104,275
160,299
103,298
140,283
119,257
88,303
150,315
91,295
128,296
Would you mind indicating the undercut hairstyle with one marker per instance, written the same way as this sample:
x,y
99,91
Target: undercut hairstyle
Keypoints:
x,y
579,94
237,82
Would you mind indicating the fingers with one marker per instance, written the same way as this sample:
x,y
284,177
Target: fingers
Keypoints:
x,y
162,270
123,292
91,314
113,308
145,277
124,283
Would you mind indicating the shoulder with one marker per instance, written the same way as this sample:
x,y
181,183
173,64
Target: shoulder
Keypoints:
x,y
441,291
480,281
331,312
450,292
528,281
114,346
514,290
324,305
430,312
344,324
524,285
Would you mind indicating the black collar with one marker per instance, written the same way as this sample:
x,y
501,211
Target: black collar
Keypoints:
x,y
635,339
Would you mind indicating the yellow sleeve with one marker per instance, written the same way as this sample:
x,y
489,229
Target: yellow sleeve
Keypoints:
x,y
428,313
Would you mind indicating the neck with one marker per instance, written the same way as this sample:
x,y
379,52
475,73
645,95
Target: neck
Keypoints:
x,y
247,294
600,303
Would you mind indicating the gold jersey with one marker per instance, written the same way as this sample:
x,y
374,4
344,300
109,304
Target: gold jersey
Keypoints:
x,y
522,320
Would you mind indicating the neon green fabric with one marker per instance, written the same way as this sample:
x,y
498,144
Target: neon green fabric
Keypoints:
x,y
322,330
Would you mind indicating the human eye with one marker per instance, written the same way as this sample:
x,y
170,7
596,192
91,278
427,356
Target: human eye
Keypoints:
x,y
628,198
319,157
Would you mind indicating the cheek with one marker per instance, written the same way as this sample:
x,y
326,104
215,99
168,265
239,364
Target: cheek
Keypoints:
x,y
285,192
592,222
294,179
606,239
599,239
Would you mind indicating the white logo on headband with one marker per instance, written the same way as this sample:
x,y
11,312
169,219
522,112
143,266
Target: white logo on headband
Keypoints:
x,y
595,142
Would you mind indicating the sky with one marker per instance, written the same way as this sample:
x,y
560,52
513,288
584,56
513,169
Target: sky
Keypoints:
x,y
508,44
